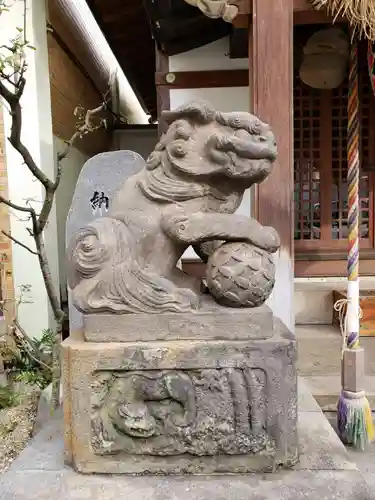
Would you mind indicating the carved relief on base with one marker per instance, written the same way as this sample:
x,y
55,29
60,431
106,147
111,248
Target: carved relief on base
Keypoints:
x,y
170,412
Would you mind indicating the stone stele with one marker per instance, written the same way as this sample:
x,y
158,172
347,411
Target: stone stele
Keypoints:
x,y
167,375
97,184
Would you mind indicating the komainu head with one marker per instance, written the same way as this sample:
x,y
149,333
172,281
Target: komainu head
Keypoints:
x,y
203,142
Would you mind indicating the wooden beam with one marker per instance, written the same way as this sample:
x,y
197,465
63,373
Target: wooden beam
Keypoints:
x,y
245,7
306,266
303,13
162,92
271,93
315,17
134,126
238,43
202,79
241,21
324,268
302,5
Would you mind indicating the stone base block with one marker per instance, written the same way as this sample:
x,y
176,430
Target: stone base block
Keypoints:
x,y
217,323
181,406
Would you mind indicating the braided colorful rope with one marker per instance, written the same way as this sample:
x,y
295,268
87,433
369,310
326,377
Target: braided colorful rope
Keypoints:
x,y
354,418
371,63
353,179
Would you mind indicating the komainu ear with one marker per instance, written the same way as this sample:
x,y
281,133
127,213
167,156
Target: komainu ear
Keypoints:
x,y
200,112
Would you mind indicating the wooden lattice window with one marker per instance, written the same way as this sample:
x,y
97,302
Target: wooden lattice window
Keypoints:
x,y
320,164
307,150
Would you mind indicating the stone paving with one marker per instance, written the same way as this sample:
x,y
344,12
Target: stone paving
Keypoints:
x,y
364,460
319,362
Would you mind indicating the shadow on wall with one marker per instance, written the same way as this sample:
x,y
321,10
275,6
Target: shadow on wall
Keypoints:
x,y
142,140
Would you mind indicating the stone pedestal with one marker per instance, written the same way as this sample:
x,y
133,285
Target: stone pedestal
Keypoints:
x,y
193,403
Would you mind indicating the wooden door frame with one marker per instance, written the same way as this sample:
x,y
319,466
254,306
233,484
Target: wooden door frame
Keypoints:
x,y
315,258
319,262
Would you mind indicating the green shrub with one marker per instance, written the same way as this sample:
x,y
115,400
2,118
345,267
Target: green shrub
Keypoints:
x,y
8,397
31,361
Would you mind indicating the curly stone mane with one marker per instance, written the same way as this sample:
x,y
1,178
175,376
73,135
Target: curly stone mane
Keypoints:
x,y
164,182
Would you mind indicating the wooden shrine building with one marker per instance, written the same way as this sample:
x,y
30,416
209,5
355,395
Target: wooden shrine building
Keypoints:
x,y
247,54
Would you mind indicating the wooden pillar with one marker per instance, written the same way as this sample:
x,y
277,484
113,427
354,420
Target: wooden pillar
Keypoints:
x,y
271,87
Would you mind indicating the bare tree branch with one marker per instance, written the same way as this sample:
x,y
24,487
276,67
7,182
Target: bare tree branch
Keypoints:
x,y
16,207
18,242
12,84
25,341
85,128
13,100
20,208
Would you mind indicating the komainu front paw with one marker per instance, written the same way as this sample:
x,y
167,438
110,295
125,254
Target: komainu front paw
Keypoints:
x,y
269,239
177,227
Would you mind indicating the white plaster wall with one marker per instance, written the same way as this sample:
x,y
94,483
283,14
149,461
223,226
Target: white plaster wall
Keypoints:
x,y
213,56
37,136
72,168
209,57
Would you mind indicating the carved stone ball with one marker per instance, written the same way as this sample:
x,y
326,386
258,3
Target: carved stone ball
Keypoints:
x,y
240,275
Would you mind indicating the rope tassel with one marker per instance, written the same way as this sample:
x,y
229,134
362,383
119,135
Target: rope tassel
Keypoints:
x,y
354,419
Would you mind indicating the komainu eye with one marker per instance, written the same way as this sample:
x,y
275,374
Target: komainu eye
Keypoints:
x,y
236,122
178,149
256,128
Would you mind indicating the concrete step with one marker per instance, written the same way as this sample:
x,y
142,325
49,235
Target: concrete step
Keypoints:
x,y
320,350
319,363
326,390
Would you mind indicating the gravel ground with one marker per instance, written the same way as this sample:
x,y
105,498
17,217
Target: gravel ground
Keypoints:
x,y
16,426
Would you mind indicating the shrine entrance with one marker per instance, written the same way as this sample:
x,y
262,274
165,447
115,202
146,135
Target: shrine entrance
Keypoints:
x,y
320,171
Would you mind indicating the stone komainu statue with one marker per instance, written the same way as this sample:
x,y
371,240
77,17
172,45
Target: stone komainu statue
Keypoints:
x,y
187,194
